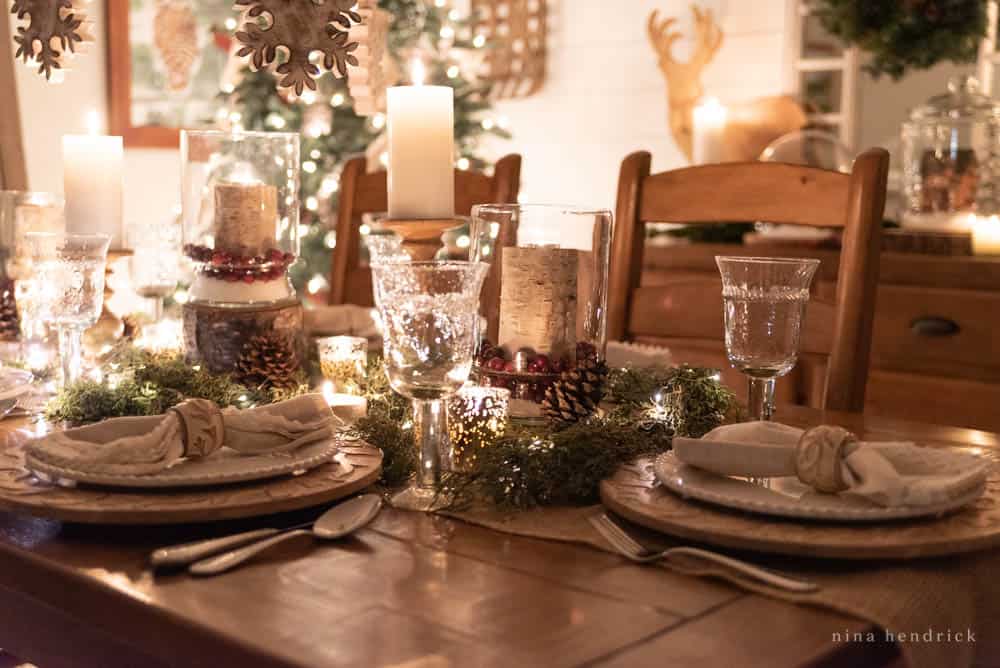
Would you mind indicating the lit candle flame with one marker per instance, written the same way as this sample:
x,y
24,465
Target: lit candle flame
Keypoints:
x,y
93,122
418,73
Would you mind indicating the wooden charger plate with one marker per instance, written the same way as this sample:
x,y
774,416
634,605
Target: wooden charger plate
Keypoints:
x,y
635,493
356,466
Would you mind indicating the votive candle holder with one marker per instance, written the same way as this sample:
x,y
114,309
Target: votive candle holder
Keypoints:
x,y
343,360
477,415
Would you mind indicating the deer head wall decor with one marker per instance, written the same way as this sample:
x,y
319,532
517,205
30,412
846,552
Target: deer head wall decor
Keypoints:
x,y
684,87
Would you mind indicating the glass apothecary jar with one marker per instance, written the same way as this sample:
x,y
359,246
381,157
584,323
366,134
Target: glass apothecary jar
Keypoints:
x,y
545,298
241,214
950,158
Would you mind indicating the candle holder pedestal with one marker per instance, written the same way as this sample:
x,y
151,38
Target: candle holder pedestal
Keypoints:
x,y
109,327
421,237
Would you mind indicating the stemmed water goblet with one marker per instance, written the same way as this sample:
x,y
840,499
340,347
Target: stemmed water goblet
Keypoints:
x,y
155,263
764,301
429,313
68,275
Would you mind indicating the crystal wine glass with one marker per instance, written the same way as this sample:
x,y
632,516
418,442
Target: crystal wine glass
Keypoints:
x,y
155,262
68,270
764,304
429,312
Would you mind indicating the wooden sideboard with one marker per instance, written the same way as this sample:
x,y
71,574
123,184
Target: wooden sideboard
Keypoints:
x,y
936,348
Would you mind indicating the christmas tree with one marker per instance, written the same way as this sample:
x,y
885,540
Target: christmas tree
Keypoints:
x,y
332,131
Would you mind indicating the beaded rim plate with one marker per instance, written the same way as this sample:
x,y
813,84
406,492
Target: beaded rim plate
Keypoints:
x,y
634,493
788,497
221,468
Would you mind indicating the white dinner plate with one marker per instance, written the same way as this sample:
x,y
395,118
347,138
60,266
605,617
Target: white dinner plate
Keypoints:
x,y
222,467
788,497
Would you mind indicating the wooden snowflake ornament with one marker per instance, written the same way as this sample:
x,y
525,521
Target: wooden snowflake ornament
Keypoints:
x,y
49,32
299,28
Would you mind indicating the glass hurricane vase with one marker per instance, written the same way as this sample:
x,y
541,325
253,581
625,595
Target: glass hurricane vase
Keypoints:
x,y
429,314
764,301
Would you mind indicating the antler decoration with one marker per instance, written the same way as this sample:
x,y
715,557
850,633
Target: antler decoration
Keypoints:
x,y
299,27
49,32
684,87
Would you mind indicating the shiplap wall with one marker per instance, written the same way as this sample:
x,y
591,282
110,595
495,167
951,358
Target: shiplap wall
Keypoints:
x,y
605,96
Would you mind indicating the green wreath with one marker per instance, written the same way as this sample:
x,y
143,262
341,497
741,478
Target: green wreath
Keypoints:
x,y
904,34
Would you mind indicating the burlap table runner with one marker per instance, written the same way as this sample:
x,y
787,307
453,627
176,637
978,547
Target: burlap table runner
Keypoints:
x,y
956,595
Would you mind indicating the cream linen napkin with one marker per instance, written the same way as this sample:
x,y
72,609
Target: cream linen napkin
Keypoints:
x,y
831,459
194,428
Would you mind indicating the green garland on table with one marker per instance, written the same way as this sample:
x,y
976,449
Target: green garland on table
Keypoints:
x,y
527,466
140,382
906,34
540,465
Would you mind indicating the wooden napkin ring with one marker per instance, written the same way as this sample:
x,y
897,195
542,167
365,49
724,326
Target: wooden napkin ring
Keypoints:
x,y
202,426
819,456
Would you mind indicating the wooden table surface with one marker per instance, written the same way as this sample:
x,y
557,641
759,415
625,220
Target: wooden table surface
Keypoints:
x,y
411,590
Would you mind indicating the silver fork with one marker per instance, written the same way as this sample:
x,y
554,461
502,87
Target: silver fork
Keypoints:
x,y
630,548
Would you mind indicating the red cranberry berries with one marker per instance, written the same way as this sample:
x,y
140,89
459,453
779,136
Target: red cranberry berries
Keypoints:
x,y
219,264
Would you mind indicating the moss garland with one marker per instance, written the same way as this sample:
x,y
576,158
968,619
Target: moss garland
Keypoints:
x,y
528,466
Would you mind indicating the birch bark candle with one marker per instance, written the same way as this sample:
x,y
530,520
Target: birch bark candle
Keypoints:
x,y
92,182
538,300
421,130
709,128
246,217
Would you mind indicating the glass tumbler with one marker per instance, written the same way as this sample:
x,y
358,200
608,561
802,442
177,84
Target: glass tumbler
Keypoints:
x,y
429,313
764,302
68,272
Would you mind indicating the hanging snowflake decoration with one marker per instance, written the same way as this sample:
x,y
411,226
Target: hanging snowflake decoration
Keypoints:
x,y
49,33
298,28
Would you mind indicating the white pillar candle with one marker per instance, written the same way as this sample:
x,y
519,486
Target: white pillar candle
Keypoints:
x,y
92,182
421,150
986,235
708,130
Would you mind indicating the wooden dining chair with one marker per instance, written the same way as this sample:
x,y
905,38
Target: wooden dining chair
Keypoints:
x,y
362,192
685,314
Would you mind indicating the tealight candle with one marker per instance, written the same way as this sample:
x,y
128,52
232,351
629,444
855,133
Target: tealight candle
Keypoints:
x,y
986,235
92,180
708,132
342,360
348,407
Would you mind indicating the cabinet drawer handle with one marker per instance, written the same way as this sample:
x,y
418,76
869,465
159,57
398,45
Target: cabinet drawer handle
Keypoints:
x,y
934,326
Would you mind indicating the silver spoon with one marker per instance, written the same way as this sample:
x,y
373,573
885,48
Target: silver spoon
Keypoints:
x,y
339,521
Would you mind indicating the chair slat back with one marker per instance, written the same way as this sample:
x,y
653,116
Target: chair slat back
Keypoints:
x,y
690,308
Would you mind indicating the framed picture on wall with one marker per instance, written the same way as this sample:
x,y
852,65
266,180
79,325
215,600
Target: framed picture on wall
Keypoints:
x,y
167,62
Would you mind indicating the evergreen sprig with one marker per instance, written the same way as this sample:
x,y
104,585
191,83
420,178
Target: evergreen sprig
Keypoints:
x,y
906,34
537,465
140,382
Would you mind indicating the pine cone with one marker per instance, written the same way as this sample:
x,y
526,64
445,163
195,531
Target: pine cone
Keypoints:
x,y
10,323
268,360
575,395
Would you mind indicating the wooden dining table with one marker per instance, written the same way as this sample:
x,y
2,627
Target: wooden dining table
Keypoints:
x,y
411,590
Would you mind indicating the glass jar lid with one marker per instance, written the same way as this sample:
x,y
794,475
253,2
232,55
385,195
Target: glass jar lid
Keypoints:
x,y
963,101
